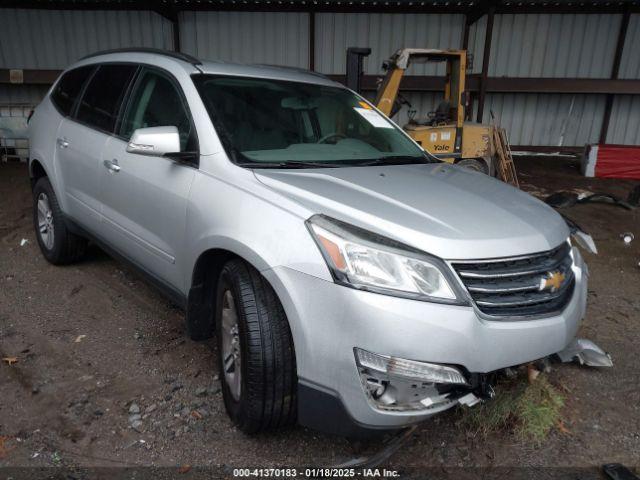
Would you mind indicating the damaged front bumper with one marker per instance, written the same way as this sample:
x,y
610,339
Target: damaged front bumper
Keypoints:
x,y
585,352
400,385
397,384
329,321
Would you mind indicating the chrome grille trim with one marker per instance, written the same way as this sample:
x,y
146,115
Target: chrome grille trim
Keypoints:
x,y
511,286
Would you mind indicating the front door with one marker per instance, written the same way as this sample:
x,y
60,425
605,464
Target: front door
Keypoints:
x,y
145,198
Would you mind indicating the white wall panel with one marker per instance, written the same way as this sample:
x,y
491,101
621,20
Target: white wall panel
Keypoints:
x,y
548,119
630,61
624,126
544,45
247,37
384,34
476,43
53,39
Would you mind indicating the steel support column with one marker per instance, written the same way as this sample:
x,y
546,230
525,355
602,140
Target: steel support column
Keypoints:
x,y
615,70
312,41
485,63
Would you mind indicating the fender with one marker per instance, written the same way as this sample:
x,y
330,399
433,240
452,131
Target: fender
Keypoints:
x,y
205,270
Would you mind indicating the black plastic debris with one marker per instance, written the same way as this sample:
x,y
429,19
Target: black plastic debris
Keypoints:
x,y
634,196
389,448
569,199
562,199
617,471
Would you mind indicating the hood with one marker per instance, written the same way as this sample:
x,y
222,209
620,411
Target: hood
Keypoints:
x,y
441,209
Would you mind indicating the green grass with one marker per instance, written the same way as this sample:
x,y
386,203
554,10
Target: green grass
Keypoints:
x,y
529,411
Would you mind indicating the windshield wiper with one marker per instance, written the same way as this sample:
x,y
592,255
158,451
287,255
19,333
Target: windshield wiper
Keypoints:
x,y
388,160
393,160
291,164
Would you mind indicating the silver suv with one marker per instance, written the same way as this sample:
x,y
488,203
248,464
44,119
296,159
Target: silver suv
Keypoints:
x,y
352,282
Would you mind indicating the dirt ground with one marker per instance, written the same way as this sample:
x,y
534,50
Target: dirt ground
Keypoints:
x,y
93,338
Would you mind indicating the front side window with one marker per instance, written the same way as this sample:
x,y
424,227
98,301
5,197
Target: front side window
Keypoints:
x,y
156,102
264,121
101,101
68,89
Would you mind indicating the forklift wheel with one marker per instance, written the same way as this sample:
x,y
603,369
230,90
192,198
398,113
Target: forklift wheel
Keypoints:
x,y
473,164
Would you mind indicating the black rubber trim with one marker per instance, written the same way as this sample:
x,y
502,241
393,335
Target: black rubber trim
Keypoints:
x,y
322,410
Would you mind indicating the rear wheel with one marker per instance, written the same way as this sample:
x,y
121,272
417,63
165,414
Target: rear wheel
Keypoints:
x,y
58,245
474,164
255,351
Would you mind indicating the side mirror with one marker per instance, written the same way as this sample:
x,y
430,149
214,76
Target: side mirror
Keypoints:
x,y
155,141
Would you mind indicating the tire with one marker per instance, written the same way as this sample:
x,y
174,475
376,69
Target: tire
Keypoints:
x,y
58,245
264,396
474,164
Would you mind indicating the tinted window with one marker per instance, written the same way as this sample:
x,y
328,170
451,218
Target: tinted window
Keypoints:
x,y
263,120
101,101
69,87
156,102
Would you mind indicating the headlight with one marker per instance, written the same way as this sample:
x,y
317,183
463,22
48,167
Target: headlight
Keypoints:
x,y
367,261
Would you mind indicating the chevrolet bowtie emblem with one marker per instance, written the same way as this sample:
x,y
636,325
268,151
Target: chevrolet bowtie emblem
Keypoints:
x,y
552,282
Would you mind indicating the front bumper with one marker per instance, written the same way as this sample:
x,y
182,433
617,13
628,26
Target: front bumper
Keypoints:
x,y
328,321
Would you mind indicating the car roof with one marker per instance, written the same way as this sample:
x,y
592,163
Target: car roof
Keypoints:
x,y
171,60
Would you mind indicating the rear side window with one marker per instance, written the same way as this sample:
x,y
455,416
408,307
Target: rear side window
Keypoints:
x,y
69,87
101,101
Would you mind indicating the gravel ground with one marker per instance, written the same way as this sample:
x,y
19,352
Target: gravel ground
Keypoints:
x,y
106,377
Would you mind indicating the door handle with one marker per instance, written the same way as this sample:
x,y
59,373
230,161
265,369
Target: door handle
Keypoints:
x,y
63,142
111,165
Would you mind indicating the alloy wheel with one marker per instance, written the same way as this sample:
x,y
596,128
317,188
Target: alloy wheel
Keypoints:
x,y
231,353
45,221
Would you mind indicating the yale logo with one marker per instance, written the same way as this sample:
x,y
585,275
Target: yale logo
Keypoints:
x,y
552,282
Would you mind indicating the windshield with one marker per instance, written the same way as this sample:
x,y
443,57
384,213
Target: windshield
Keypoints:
x,y
265,122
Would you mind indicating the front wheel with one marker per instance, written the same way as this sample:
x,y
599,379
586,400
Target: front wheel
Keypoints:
x,y
255,351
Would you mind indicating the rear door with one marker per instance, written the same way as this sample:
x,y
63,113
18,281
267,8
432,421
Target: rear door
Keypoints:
x,y
73,167
145,198
82,137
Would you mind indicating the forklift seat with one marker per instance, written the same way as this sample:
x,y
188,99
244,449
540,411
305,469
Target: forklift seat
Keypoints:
x,y
442,114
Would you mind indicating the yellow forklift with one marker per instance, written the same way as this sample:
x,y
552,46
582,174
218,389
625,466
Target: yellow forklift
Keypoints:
x,y
444,132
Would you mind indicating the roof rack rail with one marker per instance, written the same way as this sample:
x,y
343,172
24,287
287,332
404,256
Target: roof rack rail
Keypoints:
x,y
294,69
158,51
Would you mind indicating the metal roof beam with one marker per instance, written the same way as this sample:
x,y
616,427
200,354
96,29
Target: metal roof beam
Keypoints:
x,y
425,83
472,9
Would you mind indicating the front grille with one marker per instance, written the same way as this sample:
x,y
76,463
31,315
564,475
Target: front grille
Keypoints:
x,y
513,286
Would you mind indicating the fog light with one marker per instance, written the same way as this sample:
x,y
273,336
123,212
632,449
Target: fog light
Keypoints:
x,y
409,369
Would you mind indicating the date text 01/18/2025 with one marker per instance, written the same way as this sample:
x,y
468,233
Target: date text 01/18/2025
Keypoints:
x,y
316,473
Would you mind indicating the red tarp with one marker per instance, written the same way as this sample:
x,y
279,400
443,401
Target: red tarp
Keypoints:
x,y
618,161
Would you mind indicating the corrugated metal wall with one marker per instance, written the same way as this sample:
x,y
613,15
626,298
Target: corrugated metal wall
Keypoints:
x,y
558,46
528,45
247,37
384,34
52,39
624,127
542,119
630,62
543,45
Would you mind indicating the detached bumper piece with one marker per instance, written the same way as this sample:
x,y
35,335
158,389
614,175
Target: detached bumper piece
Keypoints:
x,y
585,352
397,384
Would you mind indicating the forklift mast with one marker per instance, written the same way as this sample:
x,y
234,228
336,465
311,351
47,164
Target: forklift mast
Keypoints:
x,y
396,66
354,70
